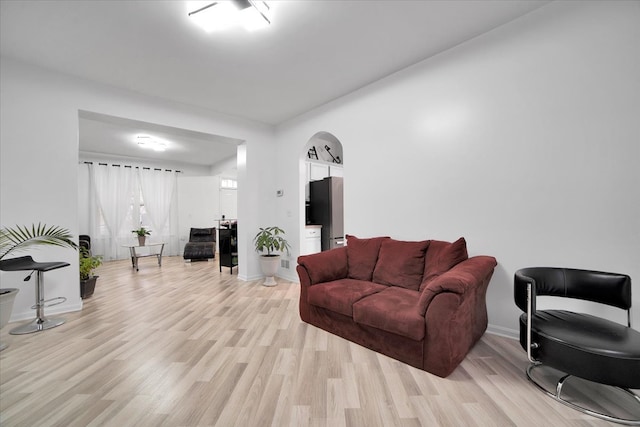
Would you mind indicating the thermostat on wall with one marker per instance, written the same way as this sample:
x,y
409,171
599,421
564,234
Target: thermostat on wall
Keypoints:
x,y
280,193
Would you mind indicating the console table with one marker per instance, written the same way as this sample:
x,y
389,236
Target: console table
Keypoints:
x,y
137,251
228,243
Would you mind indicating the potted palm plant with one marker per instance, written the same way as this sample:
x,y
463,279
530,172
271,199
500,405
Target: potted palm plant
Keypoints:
x,y
23,238
270,239
88,263
142,234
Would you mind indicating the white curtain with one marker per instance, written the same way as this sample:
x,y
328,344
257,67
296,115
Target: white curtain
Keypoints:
x,y
113,197
122,199
159,195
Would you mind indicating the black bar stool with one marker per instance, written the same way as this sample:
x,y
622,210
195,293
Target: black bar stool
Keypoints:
x,y
26,263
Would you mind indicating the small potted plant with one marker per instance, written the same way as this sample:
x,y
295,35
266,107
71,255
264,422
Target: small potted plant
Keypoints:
x,y
142,234
88,263
270,239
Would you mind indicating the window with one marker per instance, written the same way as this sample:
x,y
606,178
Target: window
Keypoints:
x,y
228,183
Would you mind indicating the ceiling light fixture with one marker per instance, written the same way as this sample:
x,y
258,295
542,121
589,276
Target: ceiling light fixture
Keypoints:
x,y
219,15
145,141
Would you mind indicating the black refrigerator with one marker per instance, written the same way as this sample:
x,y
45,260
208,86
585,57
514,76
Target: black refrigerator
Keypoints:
x,y
326,209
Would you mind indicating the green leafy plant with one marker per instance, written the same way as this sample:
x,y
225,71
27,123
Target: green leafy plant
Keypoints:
x,y
141,232
88,263
271,239
19,238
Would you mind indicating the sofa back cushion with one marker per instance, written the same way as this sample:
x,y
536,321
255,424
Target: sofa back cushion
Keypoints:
x,y
362,255
401,263
442,257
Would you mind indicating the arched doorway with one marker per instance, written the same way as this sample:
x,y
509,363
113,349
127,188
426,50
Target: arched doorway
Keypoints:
x,y
322,174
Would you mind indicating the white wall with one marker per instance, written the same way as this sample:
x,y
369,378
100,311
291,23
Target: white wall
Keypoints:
x,y
198,204
39,157
228,168
228,203
524,140
185,169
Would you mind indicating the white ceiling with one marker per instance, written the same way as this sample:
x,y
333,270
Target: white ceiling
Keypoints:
x,y
314,51
102,134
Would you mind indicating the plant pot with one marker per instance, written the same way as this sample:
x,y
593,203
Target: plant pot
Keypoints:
x,y
269,264
141,240
87,287
7,296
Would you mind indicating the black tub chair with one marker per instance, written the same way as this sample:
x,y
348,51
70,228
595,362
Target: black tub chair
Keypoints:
x,y
580,344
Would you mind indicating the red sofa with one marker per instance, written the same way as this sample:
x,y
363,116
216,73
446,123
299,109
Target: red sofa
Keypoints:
x,y
422,303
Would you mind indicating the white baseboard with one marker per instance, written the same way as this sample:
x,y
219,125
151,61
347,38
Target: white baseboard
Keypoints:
x,y
31,314
290,277
503,332
246,278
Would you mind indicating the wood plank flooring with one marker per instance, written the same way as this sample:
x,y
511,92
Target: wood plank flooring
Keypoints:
x,y
186,345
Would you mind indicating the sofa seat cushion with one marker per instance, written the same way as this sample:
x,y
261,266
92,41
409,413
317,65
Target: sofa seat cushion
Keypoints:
x,y
589,347
393,310
340,295
401,263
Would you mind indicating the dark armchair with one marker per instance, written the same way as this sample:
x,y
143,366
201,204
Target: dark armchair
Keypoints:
x,y
84,241
201,245
580,344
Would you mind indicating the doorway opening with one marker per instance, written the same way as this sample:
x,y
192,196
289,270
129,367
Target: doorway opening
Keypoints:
x,y
322,176
201,190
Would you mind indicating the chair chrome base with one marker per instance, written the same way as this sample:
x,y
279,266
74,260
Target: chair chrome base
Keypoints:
x,y
39,324
634,398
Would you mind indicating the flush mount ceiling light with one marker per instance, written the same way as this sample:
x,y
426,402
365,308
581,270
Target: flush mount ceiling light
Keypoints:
x,y
219,15
145,141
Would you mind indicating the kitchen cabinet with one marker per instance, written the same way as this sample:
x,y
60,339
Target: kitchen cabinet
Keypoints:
x,y
318,171
312,239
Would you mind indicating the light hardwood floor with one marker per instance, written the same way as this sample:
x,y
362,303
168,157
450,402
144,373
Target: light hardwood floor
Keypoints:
x,y
186,345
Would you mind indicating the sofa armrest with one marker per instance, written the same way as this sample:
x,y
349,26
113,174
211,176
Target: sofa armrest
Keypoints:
x,y
318,268
323,266
471,275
